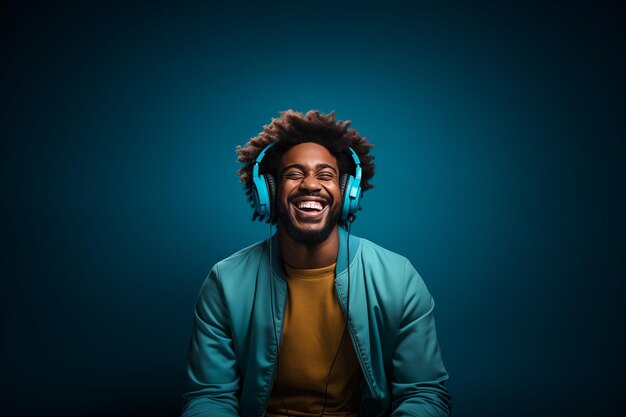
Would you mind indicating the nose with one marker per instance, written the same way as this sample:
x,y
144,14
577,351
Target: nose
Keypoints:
x,y
310,183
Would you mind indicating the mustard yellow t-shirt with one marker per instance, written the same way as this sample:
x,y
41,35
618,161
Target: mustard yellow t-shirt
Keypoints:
x,y
311,336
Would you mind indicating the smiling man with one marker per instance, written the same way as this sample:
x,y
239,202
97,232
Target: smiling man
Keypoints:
x,y
313,321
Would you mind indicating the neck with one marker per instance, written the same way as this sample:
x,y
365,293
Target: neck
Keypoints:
x,y
299,255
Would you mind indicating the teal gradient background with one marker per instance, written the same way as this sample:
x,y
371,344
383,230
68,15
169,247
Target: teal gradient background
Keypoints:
x,y
499,133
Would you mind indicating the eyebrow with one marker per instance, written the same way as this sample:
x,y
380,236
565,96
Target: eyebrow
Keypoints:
x,y
303,168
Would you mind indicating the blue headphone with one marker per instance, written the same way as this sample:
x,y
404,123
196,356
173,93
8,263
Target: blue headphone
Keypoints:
x,y
264,190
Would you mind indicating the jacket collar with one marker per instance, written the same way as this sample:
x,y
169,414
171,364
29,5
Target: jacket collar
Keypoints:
x,y
342,256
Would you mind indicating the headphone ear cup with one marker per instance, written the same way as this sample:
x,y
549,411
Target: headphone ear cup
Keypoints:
x,y
345,201
271,190
343,181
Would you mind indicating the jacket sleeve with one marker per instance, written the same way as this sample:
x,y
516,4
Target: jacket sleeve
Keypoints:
x,y
213,380
418,371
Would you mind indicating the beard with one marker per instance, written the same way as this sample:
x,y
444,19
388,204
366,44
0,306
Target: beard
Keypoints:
x,y
308,237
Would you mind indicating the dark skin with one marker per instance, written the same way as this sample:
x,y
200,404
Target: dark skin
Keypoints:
x,y
308,175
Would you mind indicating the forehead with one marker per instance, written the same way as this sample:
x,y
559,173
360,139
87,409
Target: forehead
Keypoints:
x,y
308,154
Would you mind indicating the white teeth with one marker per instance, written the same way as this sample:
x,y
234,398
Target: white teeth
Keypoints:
x,y
316,205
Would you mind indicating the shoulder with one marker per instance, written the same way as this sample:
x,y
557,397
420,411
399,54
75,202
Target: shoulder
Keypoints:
x,y
378,258
242,257
241,264
396,269
379,253
235,273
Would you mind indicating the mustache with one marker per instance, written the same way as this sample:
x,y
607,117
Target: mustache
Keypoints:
x,y
328,199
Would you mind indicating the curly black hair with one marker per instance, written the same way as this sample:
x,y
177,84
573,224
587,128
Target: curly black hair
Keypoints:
x,y
293,128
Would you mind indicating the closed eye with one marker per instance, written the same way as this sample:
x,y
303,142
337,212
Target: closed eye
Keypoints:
x,y
293,176
326,176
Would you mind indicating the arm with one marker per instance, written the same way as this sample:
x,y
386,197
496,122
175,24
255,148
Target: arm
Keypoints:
x,y
418,372
212,365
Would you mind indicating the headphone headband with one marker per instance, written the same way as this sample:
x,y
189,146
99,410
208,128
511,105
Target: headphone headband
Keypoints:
x,y
261,194
260,156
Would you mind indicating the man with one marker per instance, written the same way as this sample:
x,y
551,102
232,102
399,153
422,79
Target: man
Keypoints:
x,y
313,321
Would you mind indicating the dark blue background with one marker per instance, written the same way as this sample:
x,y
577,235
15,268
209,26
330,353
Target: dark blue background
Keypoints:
x,y
499,135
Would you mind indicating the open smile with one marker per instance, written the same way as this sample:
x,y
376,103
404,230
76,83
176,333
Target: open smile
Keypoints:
x,y
308,209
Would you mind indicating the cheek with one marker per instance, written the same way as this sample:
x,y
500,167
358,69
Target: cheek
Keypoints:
x,y
336,193
284,190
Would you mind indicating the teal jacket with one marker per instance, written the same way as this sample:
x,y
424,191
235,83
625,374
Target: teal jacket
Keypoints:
x,y
232,353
